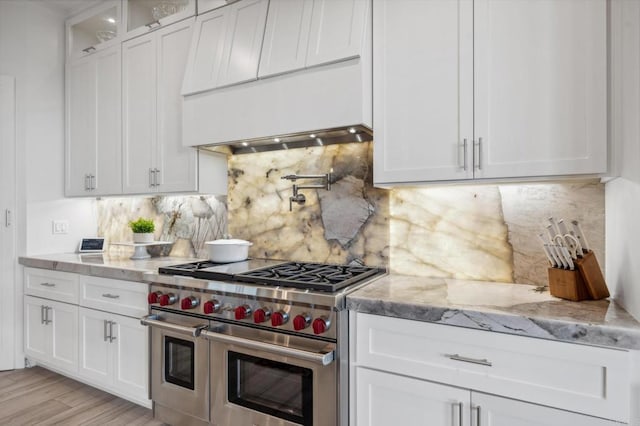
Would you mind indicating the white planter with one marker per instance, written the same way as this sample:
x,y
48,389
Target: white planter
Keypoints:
x,y
146,237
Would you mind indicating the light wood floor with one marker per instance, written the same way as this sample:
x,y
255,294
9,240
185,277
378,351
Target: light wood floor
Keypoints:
x,y
35,396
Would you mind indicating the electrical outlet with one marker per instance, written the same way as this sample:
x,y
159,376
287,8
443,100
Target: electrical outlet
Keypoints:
x,y
60,227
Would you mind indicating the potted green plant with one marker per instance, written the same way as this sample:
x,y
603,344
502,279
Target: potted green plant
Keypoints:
x,y
142,230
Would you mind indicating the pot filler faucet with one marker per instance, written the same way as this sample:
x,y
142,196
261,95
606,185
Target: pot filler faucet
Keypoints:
x,y
299,197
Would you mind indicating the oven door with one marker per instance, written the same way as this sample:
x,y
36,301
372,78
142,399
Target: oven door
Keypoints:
x,y
179,366
263,378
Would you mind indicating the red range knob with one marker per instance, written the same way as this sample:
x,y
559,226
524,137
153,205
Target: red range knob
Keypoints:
x,y
167,299
320,325
301,322
153,297
243,312
211,306
261,315
279,318
189,302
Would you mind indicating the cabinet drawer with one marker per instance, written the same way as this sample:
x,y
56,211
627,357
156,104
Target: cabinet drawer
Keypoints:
x,y
55,285
586,379
120,297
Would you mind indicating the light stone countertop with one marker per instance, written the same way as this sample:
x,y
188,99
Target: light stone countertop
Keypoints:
x,y
506,308
102,265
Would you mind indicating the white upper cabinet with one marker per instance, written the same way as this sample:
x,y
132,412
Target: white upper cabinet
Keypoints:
x,y
95,29
154,158
423,90
306,33
93,123
471,89
286,37
225,48
337,30
142,16
541,87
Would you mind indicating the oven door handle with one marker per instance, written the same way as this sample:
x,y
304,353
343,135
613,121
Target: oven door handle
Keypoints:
x,y
153,321
324,358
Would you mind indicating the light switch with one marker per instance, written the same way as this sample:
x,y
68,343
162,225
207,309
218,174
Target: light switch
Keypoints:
x,y
60,226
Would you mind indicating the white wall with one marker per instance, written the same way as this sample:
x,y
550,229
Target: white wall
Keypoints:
x,y
622,195
32,49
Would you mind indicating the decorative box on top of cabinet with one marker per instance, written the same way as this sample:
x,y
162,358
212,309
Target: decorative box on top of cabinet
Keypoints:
x,y
142,16
474,89
154,158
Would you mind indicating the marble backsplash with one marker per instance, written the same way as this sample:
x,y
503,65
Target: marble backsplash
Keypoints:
x,y
187,221
478,232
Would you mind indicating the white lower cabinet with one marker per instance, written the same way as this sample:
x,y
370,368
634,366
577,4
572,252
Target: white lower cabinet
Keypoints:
x,y
114,353
418,373
385,399
51,332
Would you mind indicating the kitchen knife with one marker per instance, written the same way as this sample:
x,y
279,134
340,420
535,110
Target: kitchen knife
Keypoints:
x,y
579,250
560,255
580,235
548,252
567,257
554,226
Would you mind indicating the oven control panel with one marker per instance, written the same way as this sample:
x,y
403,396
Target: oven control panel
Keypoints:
x,y
271,315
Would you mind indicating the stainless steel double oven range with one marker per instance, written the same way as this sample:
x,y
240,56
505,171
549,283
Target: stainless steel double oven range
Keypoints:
x,y
257,343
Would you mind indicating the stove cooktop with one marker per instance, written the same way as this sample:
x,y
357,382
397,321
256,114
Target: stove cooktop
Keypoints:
x,y
302,275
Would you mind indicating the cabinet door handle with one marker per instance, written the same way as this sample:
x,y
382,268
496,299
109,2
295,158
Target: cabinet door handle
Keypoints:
x,y
153,24
42,314
479,159
86,182
155,177
459,405
150,177
46,315
47,284
7,218
92,182
111,337
111,296
464,153
89,49
106,336
457,357
478,416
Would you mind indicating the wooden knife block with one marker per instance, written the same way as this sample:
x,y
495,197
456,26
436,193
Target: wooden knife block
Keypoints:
x,y
585,282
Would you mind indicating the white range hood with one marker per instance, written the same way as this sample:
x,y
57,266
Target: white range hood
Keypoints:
x,y
296,76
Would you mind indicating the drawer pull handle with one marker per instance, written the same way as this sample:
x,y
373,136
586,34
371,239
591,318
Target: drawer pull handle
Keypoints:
x,y
111,296
48,284
457,357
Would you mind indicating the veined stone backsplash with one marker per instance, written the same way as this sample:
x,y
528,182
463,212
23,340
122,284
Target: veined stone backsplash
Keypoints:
x,y
479,232
347,224
187,221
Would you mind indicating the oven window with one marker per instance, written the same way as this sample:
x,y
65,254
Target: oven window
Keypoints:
x,y
179,362
274,388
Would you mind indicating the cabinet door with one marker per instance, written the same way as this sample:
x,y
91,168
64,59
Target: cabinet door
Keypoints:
x,y
338,30
496,411
81,125
541,87
95,361
286,37
177,165
423,90
245,31
64,335
108,174
36,334
205,52
384,399
131,357
139,113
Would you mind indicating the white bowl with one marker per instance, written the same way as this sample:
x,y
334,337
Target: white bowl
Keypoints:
x,y
226,251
